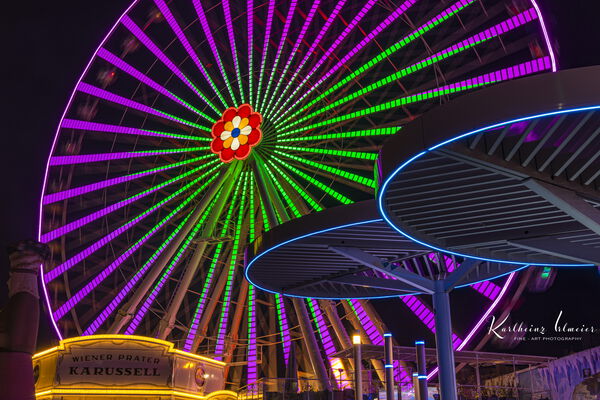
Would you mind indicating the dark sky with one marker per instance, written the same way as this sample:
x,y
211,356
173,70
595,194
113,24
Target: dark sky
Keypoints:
x,y
45,46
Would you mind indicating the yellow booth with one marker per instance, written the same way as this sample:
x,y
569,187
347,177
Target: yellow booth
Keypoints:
x,y
123,366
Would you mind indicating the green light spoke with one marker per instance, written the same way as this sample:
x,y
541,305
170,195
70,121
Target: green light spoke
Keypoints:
x,y
283,193
391,78
342,153
343,174
233,261
434,22
343,135
449,89
266,224
252,210
316,206
326,188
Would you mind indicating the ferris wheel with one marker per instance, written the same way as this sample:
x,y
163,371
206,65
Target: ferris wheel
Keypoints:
x,y
197,125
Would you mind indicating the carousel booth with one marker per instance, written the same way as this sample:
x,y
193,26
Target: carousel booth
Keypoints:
x,y
119,366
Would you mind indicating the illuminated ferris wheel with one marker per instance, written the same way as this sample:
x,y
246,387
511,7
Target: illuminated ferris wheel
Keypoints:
x,y
199,124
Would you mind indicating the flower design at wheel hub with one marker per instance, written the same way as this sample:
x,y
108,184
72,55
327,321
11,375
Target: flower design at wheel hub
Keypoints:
x,y
236,133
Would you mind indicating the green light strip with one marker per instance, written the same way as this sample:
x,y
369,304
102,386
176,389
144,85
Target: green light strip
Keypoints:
x,y
316,206
252,210
265,219
283,193
343,174
386,53
344,135
327,189
390,79
343,153
233,259
389,105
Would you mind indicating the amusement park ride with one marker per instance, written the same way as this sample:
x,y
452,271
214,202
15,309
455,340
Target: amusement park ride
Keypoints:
x,y
200,127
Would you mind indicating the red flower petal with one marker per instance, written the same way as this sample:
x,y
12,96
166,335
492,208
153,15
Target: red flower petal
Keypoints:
x,y
244,110
254,136
227,155
218,128
229,114
216,145
254,120
242,152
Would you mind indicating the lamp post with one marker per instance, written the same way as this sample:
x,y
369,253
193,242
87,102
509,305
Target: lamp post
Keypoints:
x,y
389,366
357,366
421,369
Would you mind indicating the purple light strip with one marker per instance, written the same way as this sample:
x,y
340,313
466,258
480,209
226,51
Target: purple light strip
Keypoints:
x,y
211,42
546,36
91,285
114,98
483,318
149,44
252,355
269,25
377,339
91,158
336,10
71,226
230,34
424,313
286,339
284,34
127,130
52,149
326,341
311,14
78,191
166,12
59,269
250,17
110,308
355,49
122,65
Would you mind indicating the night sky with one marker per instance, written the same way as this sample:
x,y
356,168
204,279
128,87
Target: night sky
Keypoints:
x,y
46,45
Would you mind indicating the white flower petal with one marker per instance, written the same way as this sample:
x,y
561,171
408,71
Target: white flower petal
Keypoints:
x,y
236,121
246,130
225,135
235,144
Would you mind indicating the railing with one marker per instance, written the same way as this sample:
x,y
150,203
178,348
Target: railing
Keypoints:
x,y
312,389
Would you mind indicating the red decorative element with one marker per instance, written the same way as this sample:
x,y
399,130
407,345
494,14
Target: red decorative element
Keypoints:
x,y
236,133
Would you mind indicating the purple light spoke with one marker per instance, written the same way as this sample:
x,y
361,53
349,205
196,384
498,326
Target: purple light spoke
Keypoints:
x,y
69,263
265,49
424,313
252,355
334,14
355,49
71,226
91,158
78,191
149,44
377,339
211,42
110,308
284,33
91,285
122,65
114,98
284,327
127,130
312,12
230,34
250,17
166,12
497,30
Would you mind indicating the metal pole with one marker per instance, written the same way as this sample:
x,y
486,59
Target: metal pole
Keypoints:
x,y
357,367
416,386
389,367
443,341
421,369
477,376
